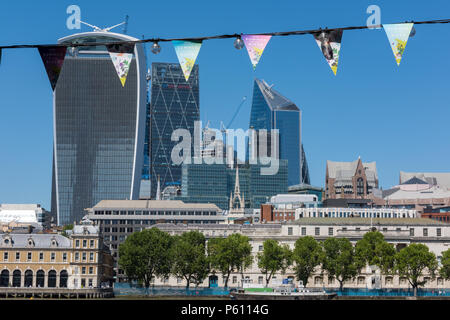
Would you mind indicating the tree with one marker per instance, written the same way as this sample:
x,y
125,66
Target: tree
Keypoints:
x,y
445,261
229,254
307,256
412,261
146,254
190,261
339,259
372,249
274,258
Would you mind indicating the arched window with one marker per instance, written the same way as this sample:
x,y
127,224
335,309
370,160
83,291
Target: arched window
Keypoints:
x,y
360,187
4,278
28,278
51,279
17,278
63,276
40,279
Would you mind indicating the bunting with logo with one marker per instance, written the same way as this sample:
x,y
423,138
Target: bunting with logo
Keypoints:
x,y
255,45
398,35
53,59
329,43
187,52
121,56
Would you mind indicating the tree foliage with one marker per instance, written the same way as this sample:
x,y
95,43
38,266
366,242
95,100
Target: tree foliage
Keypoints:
x,y
274,258
229,254
372,249
189,257
307,256
412,261
146,254
445,268
339,259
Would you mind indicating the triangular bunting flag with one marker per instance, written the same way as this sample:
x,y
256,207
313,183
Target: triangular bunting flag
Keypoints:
x,y
187,52
53,59
255,45
121,56
398,35
329,43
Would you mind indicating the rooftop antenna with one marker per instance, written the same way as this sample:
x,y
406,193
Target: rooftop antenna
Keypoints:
x,y
97,29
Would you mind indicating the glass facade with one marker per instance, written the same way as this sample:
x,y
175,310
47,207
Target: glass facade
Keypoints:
x,y
271,110
98,133
214,183
174,105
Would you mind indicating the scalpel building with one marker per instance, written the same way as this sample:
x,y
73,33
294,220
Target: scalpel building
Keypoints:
x,y
98,127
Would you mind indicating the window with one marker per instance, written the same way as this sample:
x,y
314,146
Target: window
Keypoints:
x,y
91,243
438,232
90,282
360,187
260,248
29,255
411,232
64,256
41,256
260,280
17,256
234,279
77,243
5,256
84,243
290,231
91,270
303,231
425,232
52,256
77,256
83,270
84,256
330,231
91,256
317,231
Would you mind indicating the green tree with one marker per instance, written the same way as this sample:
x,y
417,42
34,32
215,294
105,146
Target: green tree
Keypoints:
x,y
229,254
445,268
339,259
146,254
274,258
372,249
412,261
189,254
307,256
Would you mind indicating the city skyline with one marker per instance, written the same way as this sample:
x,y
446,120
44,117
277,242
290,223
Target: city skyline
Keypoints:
x,y
370,109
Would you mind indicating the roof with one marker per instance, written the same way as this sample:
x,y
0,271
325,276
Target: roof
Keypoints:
x,y
415,180
303,186
153,204
433,192
275,100
346,170
40,240
434,178
368,221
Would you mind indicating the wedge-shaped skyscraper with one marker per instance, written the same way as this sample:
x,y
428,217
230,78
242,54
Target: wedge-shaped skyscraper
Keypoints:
x,y
271,110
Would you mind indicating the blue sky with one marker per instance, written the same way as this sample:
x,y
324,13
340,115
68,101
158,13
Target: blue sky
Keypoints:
x,y
396,116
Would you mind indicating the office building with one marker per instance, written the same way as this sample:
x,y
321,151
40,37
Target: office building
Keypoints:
x,y
441,179
119,218
174,105
271,110
98,127
25,214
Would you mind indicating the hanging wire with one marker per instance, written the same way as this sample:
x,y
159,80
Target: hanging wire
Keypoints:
x,y
223,36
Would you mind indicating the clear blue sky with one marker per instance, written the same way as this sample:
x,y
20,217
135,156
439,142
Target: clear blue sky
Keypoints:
x,y
396,116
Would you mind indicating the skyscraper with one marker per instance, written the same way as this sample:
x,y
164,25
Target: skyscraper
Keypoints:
x,y
98,127
174,105
271,110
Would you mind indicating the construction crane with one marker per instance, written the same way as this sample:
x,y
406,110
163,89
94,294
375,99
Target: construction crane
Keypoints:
x,y
244,98
125,27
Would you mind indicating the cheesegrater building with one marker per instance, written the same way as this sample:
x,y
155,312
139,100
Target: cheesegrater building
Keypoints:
x,y
98,127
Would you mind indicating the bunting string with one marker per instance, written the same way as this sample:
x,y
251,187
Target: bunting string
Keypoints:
x,y
223,36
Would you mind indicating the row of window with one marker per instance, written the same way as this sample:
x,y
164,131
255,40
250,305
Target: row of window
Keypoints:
x,y
84,256
30,256
161,213
357,229
91,270
85,243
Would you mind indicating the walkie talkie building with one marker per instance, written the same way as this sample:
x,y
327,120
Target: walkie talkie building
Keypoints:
x,y
98,127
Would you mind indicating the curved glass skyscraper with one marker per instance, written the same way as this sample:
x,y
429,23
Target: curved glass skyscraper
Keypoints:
x,y
98,127
271,110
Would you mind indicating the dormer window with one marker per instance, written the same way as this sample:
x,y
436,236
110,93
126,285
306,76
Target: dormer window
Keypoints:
x,y
54,243
30,242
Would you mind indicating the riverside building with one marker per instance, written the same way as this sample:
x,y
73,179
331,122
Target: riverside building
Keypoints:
x,y
399,232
